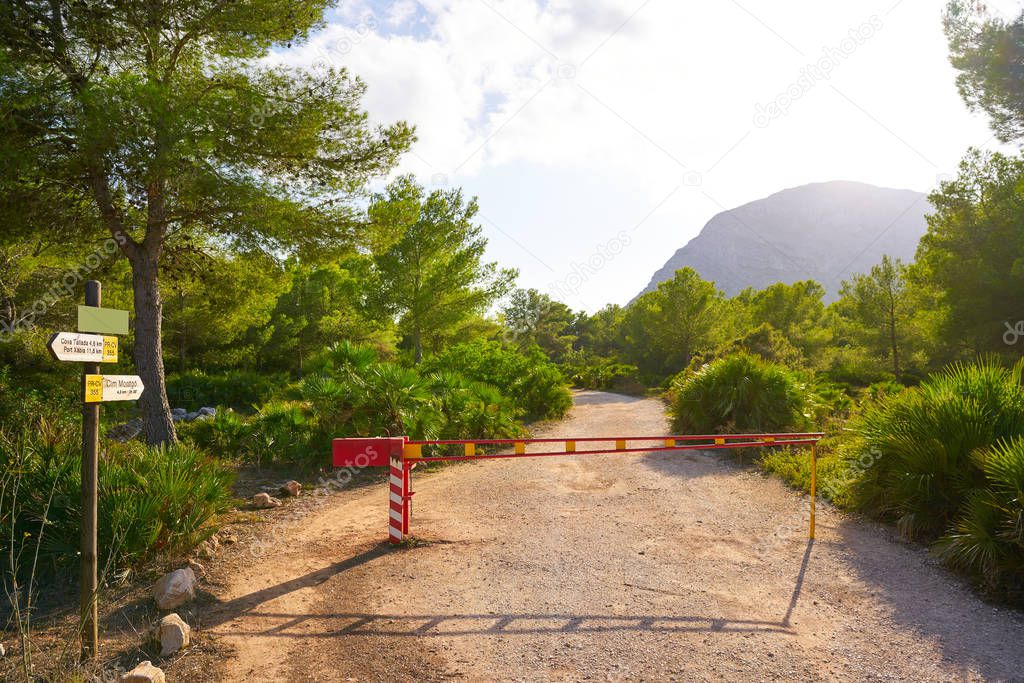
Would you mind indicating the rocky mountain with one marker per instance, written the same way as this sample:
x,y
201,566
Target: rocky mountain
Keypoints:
x,y
821,231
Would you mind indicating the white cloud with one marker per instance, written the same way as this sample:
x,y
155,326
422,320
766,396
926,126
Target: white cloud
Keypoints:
x,y
646,97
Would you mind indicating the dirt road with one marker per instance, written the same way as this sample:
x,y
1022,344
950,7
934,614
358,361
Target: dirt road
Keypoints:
x,y
622,567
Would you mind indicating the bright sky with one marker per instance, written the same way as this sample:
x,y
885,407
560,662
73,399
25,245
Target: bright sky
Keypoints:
x,y
600,136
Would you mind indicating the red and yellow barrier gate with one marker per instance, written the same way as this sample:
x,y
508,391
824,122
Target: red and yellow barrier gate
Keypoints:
x,y
401,454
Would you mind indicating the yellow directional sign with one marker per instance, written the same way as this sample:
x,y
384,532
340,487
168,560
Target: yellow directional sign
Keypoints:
x,y
84,348
93,388
102,388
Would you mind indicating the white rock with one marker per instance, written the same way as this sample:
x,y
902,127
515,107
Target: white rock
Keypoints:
x,y
173,634
175,589
3,651
262,501
291,488
145,672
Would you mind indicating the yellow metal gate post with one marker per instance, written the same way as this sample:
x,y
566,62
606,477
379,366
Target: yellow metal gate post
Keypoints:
x,y
814,485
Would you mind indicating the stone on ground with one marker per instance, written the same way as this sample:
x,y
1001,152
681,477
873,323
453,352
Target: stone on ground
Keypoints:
x,y
145,672
175,589
173,633
262,501
291,489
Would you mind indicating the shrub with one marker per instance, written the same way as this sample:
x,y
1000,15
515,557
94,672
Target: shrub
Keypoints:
x,y
243,390
394,400
853,366
383,398
473,409
52,395
921,443
283,432
151,500
768,343
987,540
280,432
741,393
595,372
343,356
353,394
532,381
224,435
794,466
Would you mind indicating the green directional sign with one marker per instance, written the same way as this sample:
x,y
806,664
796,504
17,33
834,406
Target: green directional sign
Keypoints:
x,y
102,320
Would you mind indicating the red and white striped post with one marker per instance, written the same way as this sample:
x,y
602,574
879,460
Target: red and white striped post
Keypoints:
x,y
358,453
400,493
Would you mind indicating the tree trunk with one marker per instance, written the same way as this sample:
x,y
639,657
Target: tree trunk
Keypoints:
x,y
417,345
145,258
149,360
895,347
181,335
10,310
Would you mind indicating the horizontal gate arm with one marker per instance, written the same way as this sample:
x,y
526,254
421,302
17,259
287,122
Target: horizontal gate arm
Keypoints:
x,y
586,439
646,449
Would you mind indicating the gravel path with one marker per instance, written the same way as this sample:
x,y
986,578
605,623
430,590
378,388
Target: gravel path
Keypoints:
x,y
668,566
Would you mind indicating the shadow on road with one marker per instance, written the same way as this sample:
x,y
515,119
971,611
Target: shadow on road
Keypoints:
x,y
331,625
799,582
926,598
448,625
687,464
221,612
594,398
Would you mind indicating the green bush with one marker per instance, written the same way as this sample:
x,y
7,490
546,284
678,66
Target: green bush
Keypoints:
x,y
588,371
473,409
52,395
242,390
472,391
738,393
354,395
987,539
853,366
283,432
920,444
768,343
533,382
151,501
224,435
793,465
343,356
384,398
280,432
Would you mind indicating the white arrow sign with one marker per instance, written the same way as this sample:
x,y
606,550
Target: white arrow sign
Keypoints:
x,y
112,388
84,348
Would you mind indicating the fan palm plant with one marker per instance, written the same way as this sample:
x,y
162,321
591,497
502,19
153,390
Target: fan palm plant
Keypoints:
x,y
987,539
390,399
925,438
739,392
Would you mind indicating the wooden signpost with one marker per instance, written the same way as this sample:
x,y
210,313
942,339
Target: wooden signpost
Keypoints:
x,y
91,350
